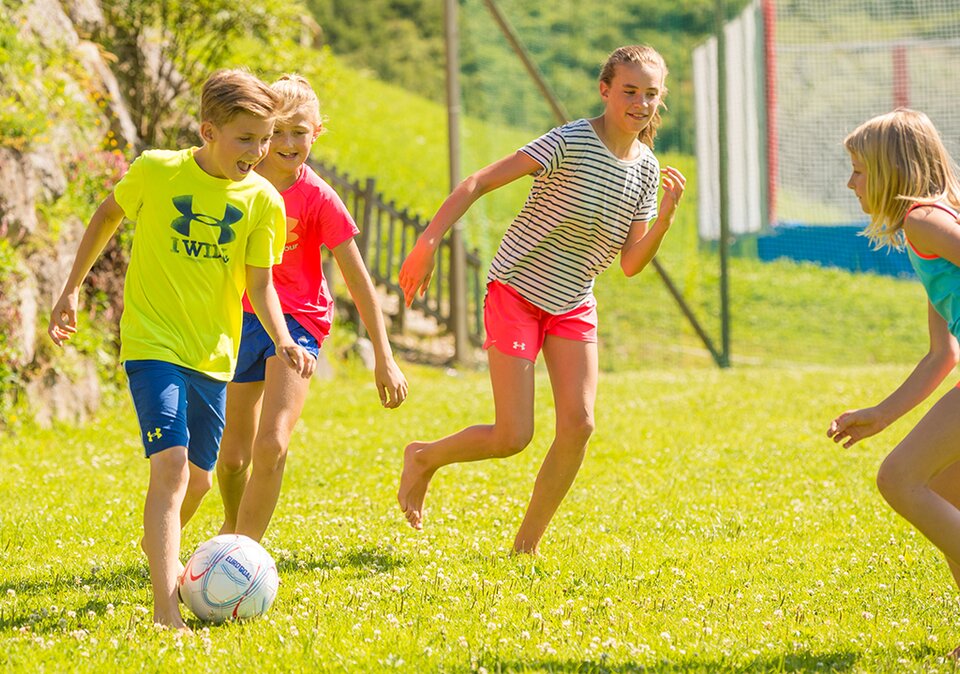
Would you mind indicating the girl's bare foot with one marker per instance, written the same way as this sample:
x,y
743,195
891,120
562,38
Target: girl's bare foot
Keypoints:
x,y
414,481
954,654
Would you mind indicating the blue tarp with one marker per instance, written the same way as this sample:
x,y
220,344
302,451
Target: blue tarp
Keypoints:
x,y
832,246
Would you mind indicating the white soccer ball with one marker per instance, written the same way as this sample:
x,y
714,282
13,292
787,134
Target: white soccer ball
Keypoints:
x,y
229,577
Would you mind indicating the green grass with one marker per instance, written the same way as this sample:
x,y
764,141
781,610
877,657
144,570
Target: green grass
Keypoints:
x,y
713,528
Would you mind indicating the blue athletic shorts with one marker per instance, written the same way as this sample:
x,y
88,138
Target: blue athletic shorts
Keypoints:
x,y
178,407
256,346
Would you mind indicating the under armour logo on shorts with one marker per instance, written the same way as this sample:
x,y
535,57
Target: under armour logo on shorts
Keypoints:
x,y
520,346
155,434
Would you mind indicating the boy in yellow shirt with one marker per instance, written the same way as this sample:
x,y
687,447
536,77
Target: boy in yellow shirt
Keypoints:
x,y
207,228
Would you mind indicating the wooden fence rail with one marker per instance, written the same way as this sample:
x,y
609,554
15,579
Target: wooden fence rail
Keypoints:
x,y
387,233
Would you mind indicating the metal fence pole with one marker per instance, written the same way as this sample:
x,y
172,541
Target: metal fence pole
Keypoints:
x,y
724,360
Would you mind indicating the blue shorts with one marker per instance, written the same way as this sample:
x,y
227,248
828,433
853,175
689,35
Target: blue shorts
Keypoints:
x,y
256,346
178,407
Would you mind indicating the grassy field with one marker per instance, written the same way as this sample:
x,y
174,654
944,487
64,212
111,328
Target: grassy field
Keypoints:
x,y
713,528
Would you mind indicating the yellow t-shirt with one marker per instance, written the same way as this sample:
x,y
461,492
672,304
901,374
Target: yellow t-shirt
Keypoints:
x,y
193,238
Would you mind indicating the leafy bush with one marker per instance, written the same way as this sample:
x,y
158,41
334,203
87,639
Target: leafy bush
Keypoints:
x,y
165,50
12,274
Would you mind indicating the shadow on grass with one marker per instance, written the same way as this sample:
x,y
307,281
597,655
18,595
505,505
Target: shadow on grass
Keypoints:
x,y
842,661
368,558
38,600
132,576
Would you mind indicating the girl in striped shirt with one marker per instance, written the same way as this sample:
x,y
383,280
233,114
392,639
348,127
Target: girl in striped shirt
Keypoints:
x,y
594,196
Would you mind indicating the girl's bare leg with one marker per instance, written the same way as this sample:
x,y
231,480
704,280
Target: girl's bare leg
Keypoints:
x,y
907,476
573,368
947,484
236,447
284,395
512,381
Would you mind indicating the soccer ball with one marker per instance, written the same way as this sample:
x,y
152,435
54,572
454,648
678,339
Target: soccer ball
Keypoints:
x,y
229,577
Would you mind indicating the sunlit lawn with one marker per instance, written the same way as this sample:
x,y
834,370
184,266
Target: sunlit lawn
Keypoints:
x,y
712,528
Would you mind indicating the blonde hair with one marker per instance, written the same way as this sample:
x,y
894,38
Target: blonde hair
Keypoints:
x,y
643,54
906,163
228,92
297,94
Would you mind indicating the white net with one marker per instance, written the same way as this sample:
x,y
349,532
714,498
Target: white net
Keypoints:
x,y
840,62
742,136
824,67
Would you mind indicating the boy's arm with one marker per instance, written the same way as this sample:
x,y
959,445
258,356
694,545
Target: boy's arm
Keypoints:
x,y
103,224
391,384
266,304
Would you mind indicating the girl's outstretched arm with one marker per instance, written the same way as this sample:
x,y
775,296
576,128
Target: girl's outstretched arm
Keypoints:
x,y
644,241
943,355
103,225
417,269
391,384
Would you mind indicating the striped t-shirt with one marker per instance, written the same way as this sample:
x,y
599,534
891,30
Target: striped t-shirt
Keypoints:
x,y
576,218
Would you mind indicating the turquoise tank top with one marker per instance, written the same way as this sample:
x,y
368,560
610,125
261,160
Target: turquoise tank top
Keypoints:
x,y
940,278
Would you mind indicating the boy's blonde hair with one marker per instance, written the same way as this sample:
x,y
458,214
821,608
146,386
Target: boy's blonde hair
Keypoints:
x,y
297,94
228,92
906,163
643,54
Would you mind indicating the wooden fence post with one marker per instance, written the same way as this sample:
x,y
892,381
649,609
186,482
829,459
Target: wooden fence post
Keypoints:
x,y
369,195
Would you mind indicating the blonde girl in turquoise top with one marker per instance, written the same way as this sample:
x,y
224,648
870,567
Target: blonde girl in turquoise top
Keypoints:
x,y
907,183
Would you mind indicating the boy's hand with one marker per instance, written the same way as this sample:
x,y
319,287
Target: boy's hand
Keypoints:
x,y
298,359
63,318
391,384
855,425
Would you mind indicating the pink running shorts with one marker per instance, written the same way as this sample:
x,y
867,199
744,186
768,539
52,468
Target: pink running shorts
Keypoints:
x,y
517,328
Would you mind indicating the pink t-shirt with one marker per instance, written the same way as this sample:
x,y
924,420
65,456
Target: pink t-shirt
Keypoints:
x,y
316,216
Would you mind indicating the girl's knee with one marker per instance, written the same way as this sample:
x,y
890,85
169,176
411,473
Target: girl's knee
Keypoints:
x,y
895,481
576,430
511,441
232,463
271,454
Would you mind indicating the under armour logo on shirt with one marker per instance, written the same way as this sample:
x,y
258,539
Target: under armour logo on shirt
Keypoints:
x,y
184,205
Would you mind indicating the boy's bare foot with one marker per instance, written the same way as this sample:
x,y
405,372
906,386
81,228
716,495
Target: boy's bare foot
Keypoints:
x,y
414,481
954,654
172,622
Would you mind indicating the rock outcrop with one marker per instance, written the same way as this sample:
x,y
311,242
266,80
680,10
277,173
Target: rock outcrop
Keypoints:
x,y
67,387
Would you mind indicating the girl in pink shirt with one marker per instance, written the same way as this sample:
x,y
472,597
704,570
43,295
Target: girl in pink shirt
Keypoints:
x,y
264,401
